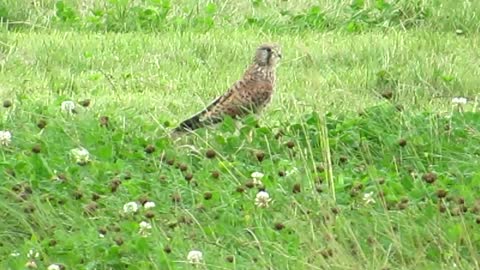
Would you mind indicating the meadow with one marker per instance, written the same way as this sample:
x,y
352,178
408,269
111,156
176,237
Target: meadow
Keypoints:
x,y
369,151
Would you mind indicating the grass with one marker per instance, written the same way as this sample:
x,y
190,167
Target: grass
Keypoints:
x,y
269,15
355,113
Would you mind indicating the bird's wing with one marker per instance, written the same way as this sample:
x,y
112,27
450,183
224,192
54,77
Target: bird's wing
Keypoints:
x,y
243,97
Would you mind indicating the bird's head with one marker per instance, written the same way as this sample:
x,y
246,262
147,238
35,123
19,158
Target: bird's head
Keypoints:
x,y
268,55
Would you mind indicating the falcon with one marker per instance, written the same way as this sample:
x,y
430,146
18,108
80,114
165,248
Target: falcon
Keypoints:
x,y
248,95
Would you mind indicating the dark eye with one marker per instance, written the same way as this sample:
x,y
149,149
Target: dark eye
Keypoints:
x,y
268,49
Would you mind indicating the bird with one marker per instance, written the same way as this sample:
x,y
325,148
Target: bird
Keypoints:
x,y
250,94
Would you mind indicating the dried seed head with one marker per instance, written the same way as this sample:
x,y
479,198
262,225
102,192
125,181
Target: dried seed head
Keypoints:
x,y
210,153
170,162
95,196
115,228
326,253
114,184
215,174
36,149
477,220
167,249
188,177
475,208
279,134
387,94
230,258
183,167
143,199
27,189
102,230
149,149
149,214
127,176
260,155
297,188
7,103
118,240
200,207
358,186
402,206
41,123
17,188
279,226
250,184
104,121
320,168
85,102
441,193
442,208
429,177
290,144
207,195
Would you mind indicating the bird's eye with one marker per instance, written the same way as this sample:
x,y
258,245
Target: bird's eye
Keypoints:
x,y
268,49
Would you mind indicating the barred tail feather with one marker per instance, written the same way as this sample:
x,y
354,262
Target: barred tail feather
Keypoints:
x,y
194,122
190,124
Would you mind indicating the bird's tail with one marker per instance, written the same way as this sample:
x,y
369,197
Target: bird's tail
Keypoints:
x,y
188,125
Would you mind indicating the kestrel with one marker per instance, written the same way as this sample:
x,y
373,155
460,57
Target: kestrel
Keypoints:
x,y
250,94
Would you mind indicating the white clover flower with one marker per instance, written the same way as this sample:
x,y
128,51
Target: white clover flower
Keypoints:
x,y
368,198
145,225
81,155
459,100
15,254
31,265
257,175
145,228
32,254
195,257
5,137
149,205
68,106
130,207
54,266
262,199
257,178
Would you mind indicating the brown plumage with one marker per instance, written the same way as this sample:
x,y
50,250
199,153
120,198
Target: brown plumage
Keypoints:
x,y
248,95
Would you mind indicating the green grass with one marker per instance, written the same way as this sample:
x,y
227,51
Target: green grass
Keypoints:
x,y
329,137
268,15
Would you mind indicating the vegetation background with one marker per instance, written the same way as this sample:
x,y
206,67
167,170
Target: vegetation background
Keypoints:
x,y
367,161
